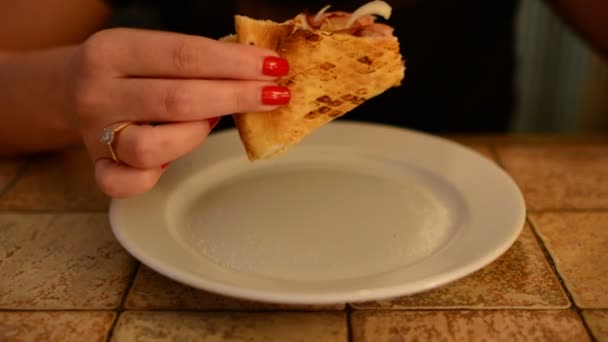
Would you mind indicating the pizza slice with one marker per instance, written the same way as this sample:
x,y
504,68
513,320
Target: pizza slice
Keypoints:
x,y
337,61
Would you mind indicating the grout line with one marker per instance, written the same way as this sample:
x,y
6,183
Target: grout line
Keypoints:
x,y
14,181
312,312
551,262
574,306
121,306
109,332
349,322
591,336
579,312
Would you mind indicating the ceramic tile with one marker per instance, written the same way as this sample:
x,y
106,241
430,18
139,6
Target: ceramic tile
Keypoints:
x,y
196,326
9,169
153,291
55,326
59,262
597,321
578,243
559,176
511,325
63,181
520,278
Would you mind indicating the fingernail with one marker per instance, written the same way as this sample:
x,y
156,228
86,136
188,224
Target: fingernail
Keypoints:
x,y
213,122
275,66
164,166
275,95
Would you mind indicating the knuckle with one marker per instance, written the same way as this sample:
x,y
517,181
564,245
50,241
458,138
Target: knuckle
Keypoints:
x,y
136,187
89,66
237,99
141,151
97,47
165,142
184,56
117,184
87,96
108,187
245,97
148,181
177,101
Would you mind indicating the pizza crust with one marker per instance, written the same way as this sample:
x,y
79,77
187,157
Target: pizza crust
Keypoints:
x,y
330,74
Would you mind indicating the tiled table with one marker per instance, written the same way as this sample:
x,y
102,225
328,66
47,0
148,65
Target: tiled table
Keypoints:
x,y
64,277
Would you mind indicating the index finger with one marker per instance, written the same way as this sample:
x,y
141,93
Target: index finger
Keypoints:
x,y
146,53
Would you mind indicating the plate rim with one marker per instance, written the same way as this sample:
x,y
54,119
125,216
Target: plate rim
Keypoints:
x,y
332,297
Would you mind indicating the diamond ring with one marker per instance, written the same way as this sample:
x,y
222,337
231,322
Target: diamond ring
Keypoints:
x,y
109,133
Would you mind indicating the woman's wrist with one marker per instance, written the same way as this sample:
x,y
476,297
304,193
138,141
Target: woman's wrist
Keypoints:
x,y
37,106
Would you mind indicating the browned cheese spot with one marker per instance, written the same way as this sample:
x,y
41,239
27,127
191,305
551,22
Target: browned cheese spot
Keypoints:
x,y
365,60
324,99
287,83
334,113
335,103
361,91
353,99
324,110
278,44
348,97
311,115
312,37
326,66
358,100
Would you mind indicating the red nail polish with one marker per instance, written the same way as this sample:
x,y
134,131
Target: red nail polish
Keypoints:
x,y
164,166
275,95
275,66
213,122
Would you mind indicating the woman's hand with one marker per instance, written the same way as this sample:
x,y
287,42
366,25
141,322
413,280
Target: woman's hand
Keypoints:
x,y
173,88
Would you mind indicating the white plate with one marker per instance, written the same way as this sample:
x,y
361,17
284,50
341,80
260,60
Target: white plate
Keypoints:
x,y
356,212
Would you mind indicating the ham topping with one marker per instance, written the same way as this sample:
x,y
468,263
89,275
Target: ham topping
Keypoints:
x,y
360,23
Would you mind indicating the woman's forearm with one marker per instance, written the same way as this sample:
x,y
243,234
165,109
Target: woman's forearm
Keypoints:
x,y
35,103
